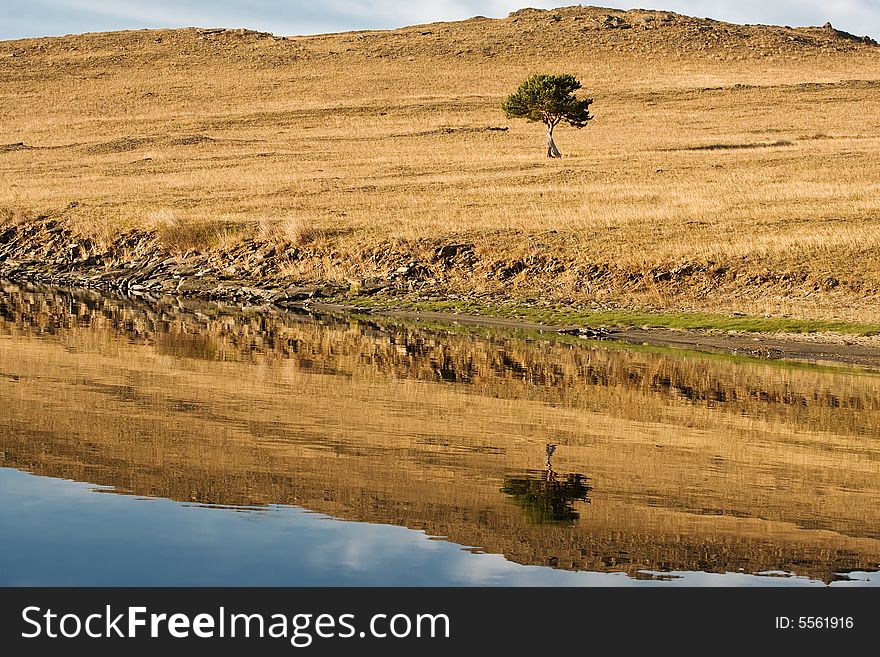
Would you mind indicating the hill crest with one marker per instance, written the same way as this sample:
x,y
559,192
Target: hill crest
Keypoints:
x,y
525,31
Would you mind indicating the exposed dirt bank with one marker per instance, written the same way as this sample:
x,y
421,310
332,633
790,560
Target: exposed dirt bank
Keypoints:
x,y
47,252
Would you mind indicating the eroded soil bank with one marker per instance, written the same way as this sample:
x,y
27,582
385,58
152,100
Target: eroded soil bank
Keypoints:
x,y
256,272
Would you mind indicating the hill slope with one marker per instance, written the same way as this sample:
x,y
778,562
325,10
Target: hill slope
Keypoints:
x,y
729,167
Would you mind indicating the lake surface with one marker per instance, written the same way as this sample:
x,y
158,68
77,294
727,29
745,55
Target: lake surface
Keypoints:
x,y
179,442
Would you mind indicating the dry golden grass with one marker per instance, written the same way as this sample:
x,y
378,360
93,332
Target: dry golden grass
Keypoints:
x,y
750,151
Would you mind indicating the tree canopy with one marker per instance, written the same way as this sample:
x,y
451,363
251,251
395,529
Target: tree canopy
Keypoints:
x,y
551,100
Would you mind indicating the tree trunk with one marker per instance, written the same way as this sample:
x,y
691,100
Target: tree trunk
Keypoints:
x,y
552,151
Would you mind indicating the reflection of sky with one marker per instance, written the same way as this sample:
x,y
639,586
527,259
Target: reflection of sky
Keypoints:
x,y
57,532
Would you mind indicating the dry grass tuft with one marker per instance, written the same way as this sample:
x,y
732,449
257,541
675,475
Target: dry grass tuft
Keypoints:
x,y
179,234
13,215
291,230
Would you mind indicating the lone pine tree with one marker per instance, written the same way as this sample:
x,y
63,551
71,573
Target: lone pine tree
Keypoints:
x,y
551,100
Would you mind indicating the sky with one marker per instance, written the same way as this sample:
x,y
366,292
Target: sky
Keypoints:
x,y
31,18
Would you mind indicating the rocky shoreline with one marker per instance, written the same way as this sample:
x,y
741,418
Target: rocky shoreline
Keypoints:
x,y
49,253
252,271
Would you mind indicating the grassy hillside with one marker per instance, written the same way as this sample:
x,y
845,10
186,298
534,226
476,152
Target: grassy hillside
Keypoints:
x,y
729,168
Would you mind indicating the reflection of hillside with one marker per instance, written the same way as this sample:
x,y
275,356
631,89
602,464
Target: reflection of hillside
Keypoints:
x,y
556,372
697,463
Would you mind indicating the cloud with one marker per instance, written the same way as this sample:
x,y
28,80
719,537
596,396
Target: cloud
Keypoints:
x,y
47,17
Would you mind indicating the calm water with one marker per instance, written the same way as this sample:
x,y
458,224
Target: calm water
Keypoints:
x,y
176,443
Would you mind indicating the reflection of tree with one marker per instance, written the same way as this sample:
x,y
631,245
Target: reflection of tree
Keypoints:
x,y
547,497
